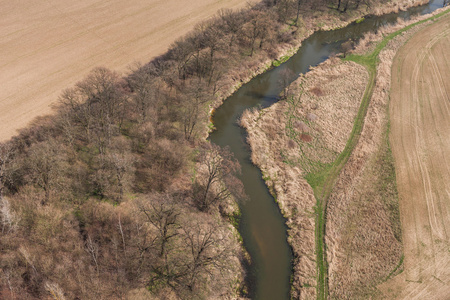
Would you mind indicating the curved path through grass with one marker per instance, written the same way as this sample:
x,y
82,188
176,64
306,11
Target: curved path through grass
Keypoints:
x,y
322,182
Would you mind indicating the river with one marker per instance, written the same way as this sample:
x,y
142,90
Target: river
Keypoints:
x,y
262,225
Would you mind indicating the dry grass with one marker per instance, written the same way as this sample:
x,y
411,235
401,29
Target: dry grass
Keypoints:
x,y
362,234
49,45
277,137
323,117
363,225
363,240
293,193
398,5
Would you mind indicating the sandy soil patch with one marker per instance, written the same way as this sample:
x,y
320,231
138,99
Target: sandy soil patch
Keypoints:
x,y
47,46
419,112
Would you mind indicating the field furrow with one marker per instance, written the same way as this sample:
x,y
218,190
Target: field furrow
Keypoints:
x,y
420,122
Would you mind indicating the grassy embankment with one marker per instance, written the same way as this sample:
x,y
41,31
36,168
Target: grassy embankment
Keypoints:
x,y
323,181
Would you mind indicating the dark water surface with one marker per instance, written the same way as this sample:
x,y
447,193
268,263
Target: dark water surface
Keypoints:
x,y
262,226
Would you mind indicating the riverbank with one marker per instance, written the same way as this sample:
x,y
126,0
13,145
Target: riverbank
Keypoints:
x,y
117,139
372,159
296,136
310,21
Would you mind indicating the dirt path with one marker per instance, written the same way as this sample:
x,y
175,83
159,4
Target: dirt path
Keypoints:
x,y
48,45
420,123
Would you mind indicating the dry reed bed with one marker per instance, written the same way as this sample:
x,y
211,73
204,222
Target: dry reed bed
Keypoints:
x,y
396,6
277,151
363,227
356,207
310,22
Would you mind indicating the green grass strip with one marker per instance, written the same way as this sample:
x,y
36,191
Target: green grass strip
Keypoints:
x,y
323,181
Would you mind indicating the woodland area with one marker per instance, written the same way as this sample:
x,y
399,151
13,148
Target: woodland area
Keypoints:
x,y
118,193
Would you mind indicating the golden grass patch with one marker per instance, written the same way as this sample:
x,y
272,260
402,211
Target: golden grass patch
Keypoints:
x,y
296,135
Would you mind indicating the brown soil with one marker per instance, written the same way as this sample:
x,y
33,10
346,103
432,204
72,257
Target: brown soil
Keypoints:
x,y
419,113
305,138
49,45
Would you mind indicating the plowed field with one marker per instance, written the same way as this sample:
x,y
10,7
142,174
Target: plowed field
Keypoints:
x,y
420,138
48,45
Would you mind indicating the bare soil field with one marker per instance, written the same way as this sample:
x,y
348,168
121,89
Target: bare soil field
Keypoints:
x,y
47,46
419,112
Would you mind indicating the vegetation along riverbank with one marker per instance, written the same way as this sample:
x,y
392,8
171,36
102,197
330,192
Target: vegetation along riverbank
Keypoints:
x,y
360,239
118,195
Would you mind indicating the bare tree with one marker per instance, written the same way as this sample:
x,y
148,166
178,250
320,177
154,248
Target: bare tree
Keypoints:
x,y
193,107
55,290
46,164
8,217
232,23
120,163
299,2
92,248
116,169
215,181
212,40
202,255
96,105
182,52
5,158
284,10
256,28
285,78
208,252
161,212
196,40
75,112
146,93
343,5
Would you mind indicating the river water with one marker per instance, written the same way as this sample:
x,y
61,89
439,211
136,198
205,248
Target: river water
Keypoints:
x,y
262,225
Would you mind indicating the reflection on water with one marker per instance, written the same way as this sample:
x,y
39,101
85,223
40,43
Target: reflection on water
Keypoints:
x,y
262,226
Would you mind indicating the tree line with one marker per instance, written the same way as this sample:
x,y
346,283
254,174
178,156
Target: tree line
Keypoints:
x,y
118,192
109,195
